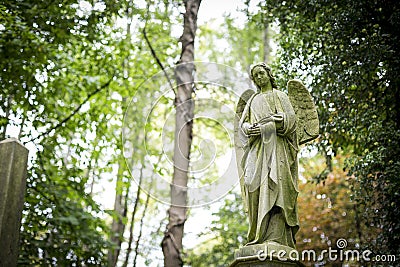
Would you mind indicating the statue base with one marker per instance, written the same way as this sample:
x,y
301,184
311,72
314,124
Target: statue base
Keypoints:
x,y
269,254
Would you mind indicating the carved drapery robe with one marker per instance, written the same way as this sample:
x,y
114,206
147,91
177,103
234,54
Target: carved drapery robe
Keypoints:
x,y
271,170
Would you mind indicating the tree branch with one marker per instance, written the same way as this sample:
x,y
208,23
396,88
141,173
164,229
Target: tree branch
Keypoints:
x,y
153,53
135,208
76,110
146,204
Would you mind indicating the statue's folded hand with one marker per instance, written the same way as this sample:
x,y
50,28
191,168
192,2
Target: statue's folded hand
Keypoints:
x,y
251,129
278,117
245,127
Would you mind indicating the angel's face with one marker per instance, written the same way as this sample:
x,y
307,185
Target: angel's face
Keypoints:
x,y
260,76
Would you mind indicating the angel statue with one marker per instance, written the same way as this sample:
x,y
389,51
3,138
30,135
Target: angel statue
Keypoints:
x,y
270,126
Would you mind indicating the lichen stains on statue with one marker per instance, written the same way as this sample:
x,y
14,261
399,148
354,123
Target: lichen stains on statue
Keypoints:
x,y
269,130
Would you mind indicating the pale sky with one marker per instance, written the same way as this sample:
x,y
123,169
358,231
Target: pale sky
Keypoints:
x,y
215,9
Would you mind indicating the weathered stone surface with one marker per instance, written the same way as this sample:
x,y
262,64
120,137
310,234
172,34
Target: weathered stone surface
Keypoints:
x,y
13,171
269,254
270,125
268,248
254,262
268,167
306,112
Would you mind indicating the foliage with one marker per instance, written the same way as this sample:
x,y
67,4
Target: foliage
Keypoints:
x,y
227,232
67,70
327,212
347,51
239,45
48,74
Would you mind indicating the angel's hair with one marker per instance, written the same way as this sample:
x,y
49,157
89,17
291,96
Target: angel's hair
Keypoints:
x,y
269,71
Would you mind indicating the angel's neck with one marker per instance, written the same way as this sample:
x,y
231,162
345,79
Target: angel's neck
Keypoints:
x,y
266,88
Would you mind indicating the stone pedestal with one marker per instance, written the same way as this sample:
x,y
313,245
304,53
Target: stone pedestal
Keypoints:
x,y
242,262
13,163
269,254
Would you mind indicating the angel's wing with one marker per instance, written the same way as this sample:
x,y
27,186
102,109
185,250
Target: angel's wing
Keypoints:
x,y
238,134
306,113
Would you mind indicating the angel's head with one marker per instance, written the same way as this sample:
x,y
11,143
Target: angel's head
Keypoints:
x,y
261,73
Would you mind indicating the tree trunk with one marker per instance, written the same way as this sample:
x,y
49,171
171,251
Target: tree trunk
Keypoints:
x,y
122,188
146,205
120,208
184,104
135,208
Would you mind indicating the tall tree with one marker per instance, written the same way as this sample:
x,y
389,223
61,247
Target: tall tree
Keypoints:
x,y
121,187
119,214
184,104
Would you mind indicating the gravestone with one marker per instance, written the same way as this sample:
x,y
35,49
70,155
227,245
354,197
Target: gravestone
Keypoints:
x,y
13,172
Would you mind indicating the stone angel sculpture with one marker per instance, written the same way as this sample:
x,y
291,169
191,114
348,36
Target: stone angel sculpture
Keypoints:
x,y
269,128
